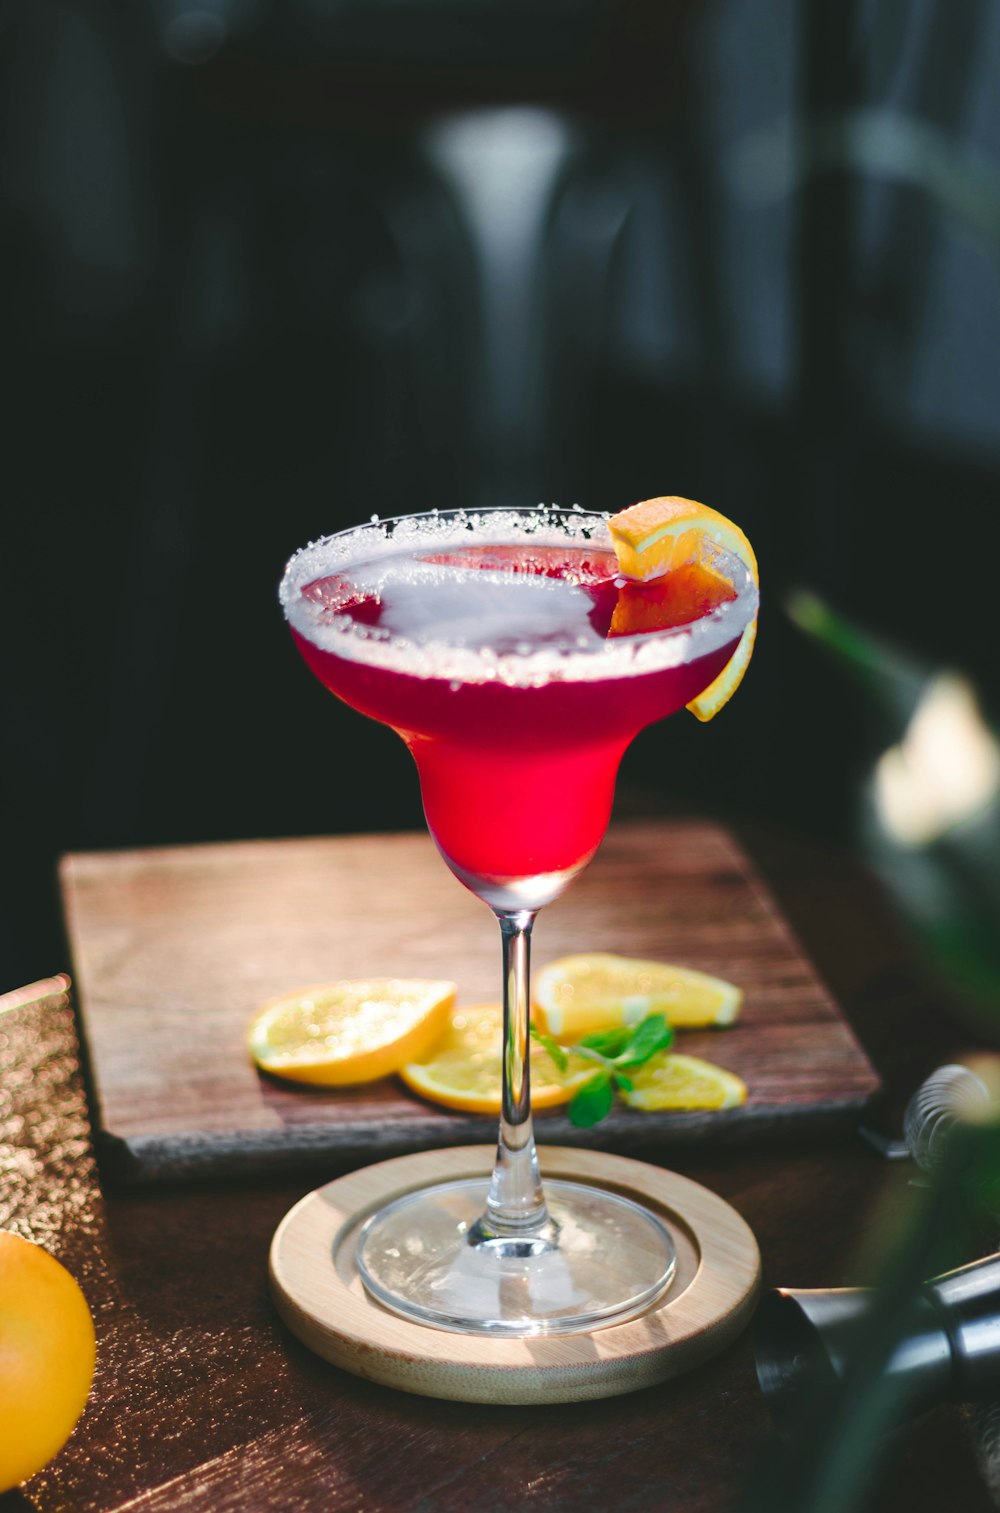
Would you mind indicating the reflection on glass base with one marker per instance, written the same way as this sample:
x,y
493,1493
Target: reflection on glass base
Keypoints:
x,y
601,1259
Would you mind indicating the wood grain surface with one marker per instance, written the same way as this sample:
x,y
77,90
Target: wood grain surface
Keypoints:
x,y
175,949
319,1293
205,1403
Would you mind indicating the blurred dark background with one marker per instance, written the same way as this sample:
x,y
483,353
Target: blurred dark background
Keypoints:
x,y
268,269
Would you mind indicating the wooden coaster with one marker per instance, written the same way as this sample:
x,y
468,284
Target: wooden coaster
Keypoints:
x,y
319,1295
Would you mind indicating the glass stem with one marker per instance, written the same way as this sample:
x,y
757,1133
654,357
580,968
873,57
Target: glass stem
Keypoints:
x,y
516,1202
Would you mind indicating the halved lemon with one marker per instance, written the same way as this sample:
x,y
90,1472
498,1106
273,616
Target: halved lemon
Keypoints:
x,y
354,1031
671,1081
578,995
657,537
463,1070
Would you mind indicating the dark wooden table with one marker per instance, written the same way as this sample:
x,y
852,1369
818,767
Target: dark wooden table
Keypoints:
x,y
203,1401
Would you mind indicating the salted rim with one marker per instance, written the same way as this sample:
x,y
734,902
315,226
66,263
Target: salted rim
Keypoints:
x,y
544,526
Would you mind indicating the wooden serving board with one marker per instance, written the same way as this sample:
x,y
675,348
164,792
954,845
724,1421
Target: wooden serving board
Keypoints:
x,y
175,949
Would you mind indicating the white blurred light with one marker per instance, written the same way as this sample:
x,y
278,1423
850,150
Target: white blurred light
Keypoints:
x,y
946,769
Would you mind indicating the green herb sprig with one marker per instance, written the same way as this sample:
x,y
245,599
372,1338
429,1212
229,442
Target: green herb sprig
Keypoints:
x,y
614,1052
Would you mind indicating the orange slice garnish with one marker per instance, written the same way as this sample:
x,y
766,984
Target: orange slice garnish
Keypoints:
x,y
678,598
659,537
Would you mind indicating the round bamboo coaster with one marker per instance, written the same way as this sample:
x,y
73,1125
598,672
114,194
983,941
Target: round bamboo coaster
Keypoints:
x,y
319,1295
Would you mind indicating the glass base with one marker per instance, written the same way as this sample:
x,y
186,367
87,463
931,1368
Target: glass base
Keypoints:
x,y
599,1260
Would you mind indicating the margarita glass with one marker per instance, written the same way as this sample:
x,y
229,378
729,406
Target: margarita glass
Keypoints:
x,y
489,642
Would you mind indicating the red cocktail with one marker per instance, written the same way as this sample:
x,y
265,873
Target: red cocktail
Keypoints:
x,y
517,666
513,695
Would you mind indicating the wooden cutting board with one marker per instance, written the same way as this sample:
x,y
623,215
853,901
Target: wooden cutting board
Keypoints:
x,y
175,949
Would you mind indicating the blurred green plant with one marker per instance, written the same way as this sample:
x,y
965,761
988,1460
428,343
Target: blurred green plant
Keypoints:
x,y
929,802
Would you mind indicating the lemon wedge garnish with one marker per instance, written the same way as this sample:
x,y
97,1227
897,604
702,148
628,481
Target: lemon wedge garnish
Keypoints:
x,y
657,536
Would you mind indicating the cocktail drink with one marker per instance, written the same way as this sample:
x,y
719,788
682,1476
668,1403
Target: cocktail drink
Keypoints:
x,y
517,666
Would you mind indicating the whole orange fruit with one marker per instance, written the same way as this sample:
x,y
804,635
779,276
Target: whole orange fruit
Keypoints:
x,y
47,1355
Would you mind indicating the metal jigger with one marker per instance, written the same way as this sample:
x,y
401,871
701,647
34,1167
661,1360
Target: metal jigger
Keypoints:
x,y
949,1348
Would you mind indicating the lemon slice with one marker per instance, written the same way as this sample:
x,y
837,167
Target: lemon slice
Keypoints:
x,y
463,1070
345,1032
671,1081
659,535
580,994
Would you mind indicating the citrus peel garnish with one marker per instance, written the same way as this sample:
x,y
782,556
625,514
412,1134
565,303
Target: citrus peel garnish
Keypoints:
x,y
657,537
680,597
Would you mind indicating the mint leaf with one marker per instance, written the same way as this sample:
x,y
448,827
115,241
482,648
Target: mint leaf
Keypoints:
x,y
652,1035
553,1047
592,1102
612,1051
608,1042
